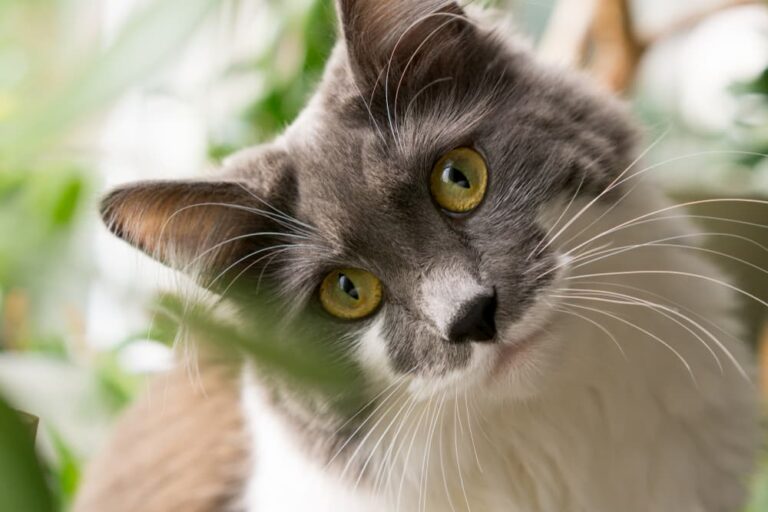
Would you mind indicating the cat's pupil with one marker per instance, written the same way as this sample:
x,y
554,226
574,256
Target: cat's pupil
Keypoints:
x,y
348,287
455,176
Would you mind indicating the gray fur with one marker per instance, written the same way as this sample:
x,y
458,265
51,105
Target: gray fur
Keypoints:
x,y
399,93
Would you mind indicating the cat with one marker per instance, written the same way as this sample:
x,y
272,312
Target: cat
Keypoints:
x,y
536,326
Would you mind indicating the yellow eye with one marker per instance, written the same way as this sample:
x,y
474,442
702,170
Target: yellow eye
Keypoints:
x,y
459,180
350,294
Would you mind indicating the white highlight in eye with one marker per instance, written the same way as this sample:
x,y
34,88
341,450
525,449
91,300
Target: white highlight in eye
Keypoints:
x,y
444,291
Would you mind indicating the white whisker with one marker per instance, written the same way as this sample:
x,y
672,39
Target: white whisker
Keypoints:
x,y
352,436
602,328
674,273
666,312
644,331
633,222
605,191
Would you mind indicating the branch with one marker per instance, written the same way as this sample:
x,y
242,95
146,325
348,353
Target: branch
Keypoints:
x,y
600,36
616,49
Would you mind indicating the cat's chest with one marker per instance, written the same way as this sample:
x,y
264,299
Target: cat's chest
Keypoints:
x,y
283,478
285,482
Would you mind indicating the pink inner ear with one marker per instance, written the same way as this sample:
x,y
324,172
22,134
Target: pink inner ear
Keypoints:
x,y
182,223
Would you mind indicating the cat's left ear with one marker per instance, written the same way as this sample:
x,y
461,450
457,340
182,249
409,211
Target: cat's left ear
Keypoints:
x,y
388,36
208,228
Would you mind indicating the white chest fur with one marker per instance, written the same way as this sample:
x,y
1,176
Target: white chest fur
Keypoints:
x,y
284,479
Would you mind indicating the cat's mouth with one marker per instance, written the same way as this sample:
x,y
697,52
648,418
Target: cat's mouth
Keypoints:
x,y
509,355
518,343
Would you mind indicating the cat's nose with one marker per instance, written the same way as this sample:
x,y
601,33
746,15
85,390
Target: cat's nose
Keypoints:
x,y
476,321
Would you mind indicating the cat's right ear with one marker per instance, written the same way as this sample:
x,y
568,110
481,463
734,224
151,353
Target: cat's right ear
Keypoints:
x,y
390,35
210,229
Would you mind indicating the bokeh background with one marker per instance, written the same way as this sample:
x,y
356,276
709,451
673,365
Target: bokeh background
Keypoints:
x,y
99,92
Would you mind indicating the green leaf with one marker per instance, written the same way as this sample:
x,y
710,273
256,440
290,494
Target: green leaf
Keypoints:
x,y
66,205
68,468
22,482
116,387
758,86
149,41
760,491
295,351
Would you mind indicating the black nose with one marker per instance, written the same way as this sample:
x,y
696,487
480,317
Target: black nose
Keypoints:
x,y
476,321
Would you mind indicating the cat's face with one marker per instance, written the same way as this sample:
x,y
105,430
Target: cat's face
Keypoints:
x,y
406,202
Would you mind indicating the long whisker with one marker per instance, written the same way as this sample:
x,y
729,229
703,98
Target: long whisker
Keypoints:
x,y
391,118
602,328
362,409
428,453
672,303
632,222
416,428
383,435
684,157
602,216
281,214
441,436
220,275
593,256
413,99
423,464
457,420
644,331
418,49
604,192
352,436
390,457
557,222
471,434
371,431
666,312
370,112
679,246
674,273
274,217
219,245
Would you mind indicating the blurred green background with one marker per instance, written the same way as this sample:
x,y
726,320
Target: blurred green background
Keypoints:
x,y
99,92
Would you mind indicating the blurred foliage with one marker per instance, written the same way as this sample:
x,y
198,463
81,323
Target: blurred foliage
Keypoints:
x,y
760,495
66,475
305,39
46,188
22,481
304,354
47,93
752,133
37,117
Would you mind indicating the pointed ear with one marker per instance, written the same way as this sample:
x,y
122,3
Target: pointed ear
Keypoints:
x,y
205,228
390,35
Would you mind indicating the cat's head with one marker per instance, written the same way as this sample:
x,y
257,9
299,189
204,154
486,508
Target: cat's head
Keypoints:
x,y
406,201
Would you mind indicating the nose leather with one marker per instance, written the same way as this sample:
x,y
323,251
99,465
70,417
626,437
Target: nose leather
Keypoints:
x,y
476,321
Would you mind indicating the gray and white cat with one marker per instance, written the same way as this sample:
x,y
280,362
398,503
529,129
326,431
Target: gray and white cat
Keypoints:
x,y
537,327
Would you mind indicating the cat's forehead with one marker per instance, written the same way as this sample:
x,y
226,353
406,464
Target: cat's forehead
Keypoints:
x,y
400,114
352,193
365,154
